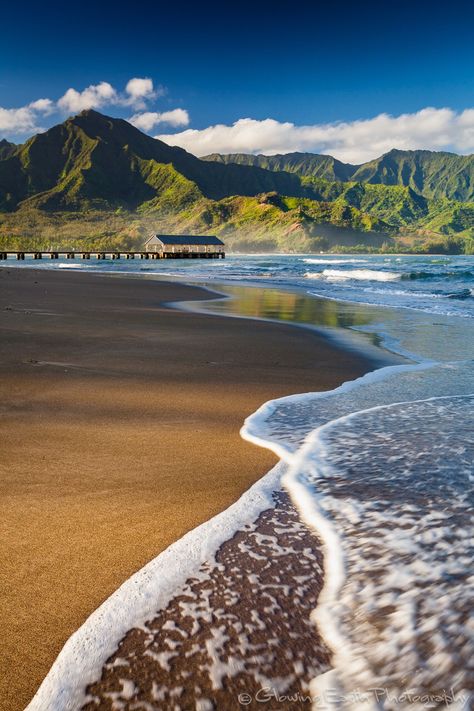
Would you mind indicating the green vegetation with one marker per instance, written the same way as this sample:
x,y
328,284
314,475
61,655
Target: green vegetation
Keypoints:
x,y
306,164
99,182
429,173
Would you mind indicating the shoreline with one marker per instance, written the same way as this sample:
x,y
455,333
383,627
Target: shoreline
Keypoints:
x,y
306,372
228,633
345,338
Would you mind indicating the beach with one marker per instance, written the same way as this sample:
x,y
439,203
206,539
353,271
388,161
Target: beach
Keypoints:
x,y
120,433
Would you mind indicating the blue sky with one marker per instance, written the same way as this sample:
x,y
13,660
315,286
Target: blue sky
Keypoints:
x,y
305,64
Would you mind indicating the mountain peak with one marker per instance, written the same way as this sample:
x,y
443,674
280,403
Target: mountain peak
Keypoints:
x,y
417,152
115,130
93,116
6,148
92,113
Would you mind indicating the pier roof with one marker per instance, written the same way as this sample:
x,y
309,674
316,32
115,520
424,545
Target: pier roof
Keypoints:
x,y
188,239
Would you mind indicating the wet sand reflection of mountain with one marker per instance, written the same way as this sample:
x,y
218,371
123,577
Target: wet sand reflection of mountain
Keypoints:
x,y
293,307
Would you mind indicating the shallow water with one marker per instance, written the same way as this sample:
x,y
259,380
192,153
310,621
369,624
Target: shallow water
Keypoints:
x,y
403,515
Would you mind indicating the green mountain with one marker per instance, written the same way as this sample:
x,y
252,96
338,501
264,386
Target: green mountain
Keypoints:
x,y
306,164
429,173
6,148
434,175
396,206
97,178
93,161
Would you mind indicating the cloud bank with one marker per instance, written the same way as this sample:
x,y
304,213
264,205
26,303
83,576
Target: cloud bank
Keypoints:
x,y
354,141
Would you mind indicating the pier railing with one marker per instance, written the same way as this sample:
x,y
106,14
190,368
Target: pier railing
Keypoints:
x,y
107,254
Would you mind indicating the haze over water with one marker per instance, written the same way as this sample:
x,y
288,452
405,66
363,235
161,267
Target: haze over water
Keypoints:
x,y
383,467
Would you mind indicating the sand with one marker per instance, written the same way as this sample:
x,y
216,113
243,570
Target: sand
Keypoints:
x,y
119,426
239,633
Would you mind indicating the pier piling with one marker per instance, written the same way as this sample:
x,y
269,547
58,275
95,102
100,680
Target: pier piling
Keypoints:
x,y
55,254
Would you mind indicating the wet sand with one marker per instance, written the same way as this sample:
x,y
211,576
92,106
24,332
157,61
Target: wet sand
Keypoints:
x,y
119,422
237,634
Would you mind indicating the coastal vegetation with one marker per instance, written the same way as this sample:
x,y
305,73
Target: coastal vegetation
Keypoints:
x,y
98,182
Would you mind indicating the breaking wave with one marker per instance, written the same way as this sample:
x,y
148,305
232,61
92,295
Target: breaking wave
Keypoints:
x,y
347,260
358,274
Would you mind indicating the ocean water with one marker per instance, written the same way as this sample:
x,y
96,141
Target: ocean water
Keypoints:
x,y
382,467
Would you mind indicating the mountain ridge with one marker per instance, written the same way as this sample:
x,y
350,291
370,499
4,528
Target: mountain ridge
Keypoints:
x,y
433,174
306,164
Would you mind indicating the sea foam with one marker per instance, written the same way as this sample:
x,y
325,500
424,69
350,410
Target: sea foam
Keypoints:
x,y
330,260
355,274
378,500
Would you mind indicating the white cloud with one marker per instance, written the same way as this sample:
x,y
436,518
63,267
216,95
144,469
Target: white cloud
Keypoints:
x,y
21,120
140,88
25,118
44,106
138,91
148,120
354,141
175,117
94,97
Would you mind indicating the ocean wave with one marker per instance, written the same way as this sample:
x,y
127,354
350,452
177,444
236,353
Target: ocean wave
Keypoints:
x,y
348,260
139,598
428,305
465,274
461,294
354,274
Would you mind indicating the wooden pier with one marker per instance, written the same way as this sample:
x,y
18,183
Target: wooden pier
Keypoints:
x,y
108,254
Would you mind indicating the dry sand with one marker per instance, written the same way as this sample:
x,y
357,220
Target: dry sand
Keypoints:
x,y
119,431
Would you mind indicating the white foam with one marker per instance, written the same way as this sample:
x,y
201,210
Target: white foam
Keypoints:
x,y
347,260
325,616
254,424
354,274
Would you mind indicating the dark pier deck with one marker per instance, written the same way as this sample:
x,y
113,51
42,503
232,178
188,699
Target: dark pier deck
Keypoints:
x,y
108,254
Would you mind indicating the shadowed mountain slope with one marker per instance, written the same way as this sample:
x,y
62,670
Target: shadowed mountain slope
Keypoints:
x,y
430,173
